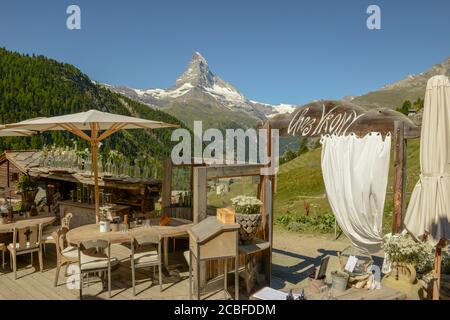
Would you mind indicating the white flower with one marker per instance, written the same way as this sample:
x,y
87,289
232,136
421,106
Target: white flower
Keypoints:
x,y
246,204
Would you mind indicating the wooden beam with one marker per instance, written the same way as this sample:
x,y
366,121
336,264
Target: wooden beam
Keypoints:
x,y
7,173
230,171
167,184
269,198
400,157
437,269
113,129
72,128
200,194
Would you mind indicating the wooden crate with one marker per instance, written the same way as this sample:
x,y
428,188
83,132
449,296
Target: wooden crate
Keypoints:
x,y
226,215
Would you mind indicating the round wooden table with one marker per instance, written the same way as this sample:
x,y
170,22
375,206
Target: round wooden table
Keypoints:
x,y
27,222
177,227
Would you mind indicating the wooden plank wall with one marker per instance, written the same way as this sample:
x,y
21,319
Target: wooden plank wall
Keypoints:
x,y
4,177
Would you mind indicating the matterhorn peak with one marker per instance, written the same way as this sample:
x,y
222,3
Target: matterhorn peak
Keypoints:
x,y
197,56
197,73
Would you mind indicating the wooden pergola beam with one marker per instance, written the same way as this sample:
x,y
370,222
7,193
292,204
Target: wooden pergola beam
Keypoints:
x,y
400,157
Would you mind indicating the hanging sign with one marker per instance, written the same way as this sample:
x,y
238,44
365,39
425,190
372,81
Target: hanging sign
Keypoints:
x,y
341,118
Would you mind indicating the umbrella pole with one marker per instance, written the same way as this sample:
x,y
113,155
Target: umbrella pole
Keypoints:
x,y
94,144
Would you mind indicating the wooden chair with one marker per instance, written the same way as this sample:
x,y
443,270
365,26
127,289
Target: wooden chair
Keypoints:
x,y
145,252
95,256
3,250
65,255
49,231
26,240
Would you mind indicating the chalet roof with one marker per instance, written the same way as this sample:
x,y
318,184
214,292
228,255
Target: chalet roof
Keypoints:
x,y
22,160
28,162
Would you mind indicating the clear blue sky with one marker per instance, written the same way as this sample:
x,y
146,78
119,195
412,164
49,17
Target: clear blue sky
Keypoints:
x,y
271,50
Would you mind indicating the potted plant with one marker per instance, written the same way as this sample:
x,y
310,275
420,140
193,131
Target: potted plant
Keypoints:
x,y
105,223
28,189
409,261
248,216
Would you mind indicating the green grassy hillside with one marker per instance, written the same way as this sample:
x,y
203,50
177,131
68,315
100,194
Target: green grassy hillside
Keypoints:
x,y
300,181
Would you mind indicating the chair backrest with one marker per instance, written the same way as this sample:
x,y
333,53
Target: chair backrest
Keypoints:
x,y
65,222
97,248
98,245
60,238
145,240
27,238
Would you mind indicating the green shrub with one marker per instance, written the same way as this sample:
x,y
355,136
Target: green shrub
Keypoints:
x,y
321,223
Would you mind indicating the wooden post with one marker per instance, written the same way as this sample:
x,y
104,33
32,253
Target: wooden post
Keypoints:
x,y
199,194
437,269
268,197
7,173
264,178
167,185
400,157
94,144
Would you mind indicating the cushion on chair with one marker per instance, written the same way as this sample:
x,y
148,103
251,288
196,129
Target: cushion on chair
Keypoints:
x,y
47,238
146,257
11,247
70,252
89,262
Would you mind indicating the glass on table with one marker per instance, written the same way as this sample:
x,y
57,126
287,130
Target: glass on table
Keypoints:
x,y
123,227
147,223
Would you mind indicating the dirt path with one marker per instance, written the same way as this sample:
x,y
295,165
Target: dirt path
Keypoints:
x,y
295,255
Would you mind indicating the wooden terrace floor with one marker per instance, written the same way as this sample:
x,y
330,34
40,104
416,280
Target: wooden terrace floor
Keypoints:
x,y
34,285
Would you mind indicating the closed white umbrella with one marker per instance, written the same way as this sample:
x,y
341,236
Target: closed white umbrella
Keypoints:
x,y
100,124
428,214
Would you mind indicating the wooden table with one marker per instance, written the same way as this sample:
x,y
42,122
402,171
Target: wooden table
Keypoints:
x,y
176,227
27,222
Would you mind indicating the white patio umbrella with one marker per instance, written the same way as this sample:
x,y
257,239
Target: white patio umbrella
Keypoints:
x,y
428,214
15,132
100,124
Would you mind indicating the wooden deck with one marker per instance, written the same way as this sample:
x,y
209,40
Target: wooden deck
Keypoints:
x,y
34,285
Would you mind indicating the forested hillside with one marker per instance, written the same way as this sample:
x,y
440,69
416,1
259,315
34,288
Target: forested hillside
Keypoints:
x,y
35,86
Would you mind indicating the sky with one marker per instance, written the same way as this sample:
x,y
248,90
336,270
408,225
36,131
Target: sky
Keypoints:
x,y
273,51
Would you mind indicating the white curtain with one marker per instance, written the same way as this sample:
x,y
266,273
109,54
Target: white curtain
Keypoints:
x,y
355,171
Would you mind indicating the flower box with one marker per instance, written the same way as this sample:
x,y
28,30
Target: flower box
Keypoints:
x,y
226,215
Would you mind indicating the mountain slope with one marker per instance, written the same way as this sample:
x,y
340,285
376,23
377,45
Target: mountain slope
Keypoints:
x,y
411,88
35,86
199,94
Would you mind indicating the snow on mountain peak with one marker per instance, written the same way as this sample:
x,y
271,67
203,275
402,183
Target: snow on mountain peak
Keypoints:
x,y
199,83
197,73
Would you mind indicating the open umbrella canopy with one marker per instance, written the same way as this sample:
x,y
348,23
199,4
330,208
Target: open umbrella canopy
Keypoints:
x,y
429,208
84,120
15,132
100,124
